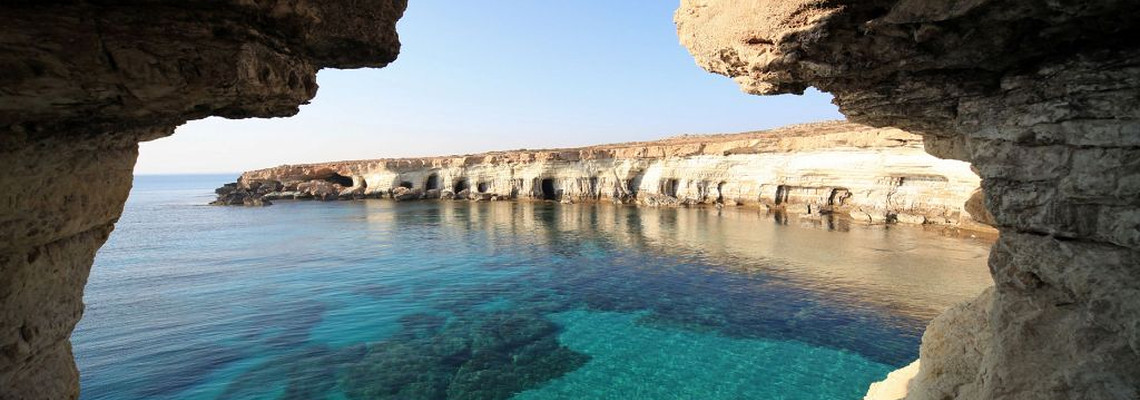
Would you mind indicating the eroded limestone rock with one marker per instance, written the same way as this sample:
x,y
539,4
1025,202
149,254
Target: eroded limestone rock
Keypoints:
x,y
83,83
1043,98
819,168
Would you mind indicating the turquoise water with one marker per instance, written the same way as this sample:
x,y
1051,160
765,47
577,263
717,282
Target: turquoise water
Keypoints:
x,y
456,300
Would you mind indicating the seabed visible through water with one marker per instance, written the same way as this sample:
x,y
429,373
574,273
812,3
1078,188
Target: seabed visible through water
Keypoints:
x,y
456,300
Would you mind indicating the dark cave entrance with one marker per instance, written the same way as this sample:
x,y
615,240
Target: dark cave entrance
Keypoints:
x,y
838,196
406,184
669,187
483,187
340,179
432,182
634,184
781,194
720,192
548,189
460,185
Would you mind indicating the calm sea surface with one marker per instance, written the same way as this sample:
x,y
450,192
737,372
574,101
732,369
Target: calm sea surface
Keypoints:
x,y
455,300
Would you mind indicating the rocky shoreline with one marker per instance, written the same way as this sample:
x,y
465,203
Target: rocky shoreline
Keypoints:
x,y
871,175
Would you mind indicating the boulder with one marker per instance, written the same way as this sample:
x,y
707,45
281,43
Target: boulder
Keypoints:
x,y
860,216
355,192
910,219
657,200
226,189
405,194
320,189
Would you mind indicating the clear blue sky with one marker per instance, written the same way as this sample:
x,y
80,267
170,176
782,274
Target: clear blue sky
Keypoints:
x,y
478,76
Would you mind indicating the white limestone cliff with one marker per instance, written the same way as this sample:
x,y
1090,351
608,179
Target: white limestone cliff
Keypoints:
x,y
870,174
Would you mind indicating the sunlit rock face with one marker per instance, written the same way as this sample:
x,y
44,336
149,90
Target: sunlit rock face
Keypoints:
x,y
83,83
872,174
1042,99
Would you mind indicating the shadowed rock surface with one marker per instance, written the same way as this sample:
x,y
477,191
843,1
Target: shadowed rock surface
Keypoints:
x,y
1042,98
83,83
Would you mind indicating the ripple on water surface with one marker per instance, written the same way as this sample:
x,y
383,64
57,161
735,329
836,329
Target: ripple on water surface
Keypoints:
x,y
456,300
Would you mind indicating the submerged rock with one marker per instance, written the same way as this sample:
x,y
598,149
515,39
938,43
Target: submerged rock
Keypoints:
x,y
479,356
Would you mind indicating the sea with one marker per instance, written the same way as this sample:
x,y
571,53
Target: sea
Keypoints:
x,y
376,299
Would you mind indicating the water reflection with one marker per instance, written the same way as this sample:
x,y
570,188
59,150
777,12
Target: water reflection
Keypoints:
x,y
375,299
907,269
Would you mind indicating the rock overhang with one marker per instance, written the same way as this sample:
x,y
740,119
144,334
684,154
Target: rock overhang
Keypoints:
x,y
905,63
1043,98
84,82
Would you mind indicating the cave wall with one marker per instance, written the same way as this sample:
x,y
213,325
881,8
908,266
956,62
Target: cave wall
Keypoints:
x,y
84,82
1043,98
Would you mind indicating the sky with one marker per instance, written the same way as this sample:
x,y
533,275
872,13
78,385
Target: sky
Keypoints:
x,y
508,74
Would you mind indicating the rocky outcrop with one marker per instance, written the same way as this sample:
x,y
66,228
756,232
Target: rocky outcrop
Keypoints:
x,y
877,175
84,82
1040,96
1042,99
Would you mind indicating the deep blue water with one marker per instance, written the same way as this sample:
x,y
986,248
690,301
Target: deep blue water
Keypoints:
x,y
457,300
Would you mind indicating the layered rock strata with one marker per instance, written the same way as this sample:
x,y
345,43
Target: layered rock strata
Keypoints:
x,y
871,174
1043,98
84,82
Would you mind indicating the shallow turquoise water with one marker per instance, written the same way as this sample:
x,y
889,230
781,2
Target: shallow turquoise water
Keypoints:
x,y
456,300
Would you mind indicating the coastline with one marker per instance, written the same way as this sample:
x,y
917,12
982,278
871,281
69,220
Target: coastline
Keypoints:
x,y
868,175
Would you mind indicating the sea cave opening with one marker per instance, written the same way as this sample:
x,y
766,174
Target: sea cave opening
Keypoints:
x,y
781,194
634,184
406,184
838,196
483,187
432,182
548,192
339,179
669,187
460,185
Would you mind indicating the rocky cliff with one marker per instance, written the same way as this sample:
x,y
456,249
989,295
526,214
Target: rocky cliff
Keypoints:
x,y
871,174
1043,98
84,82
